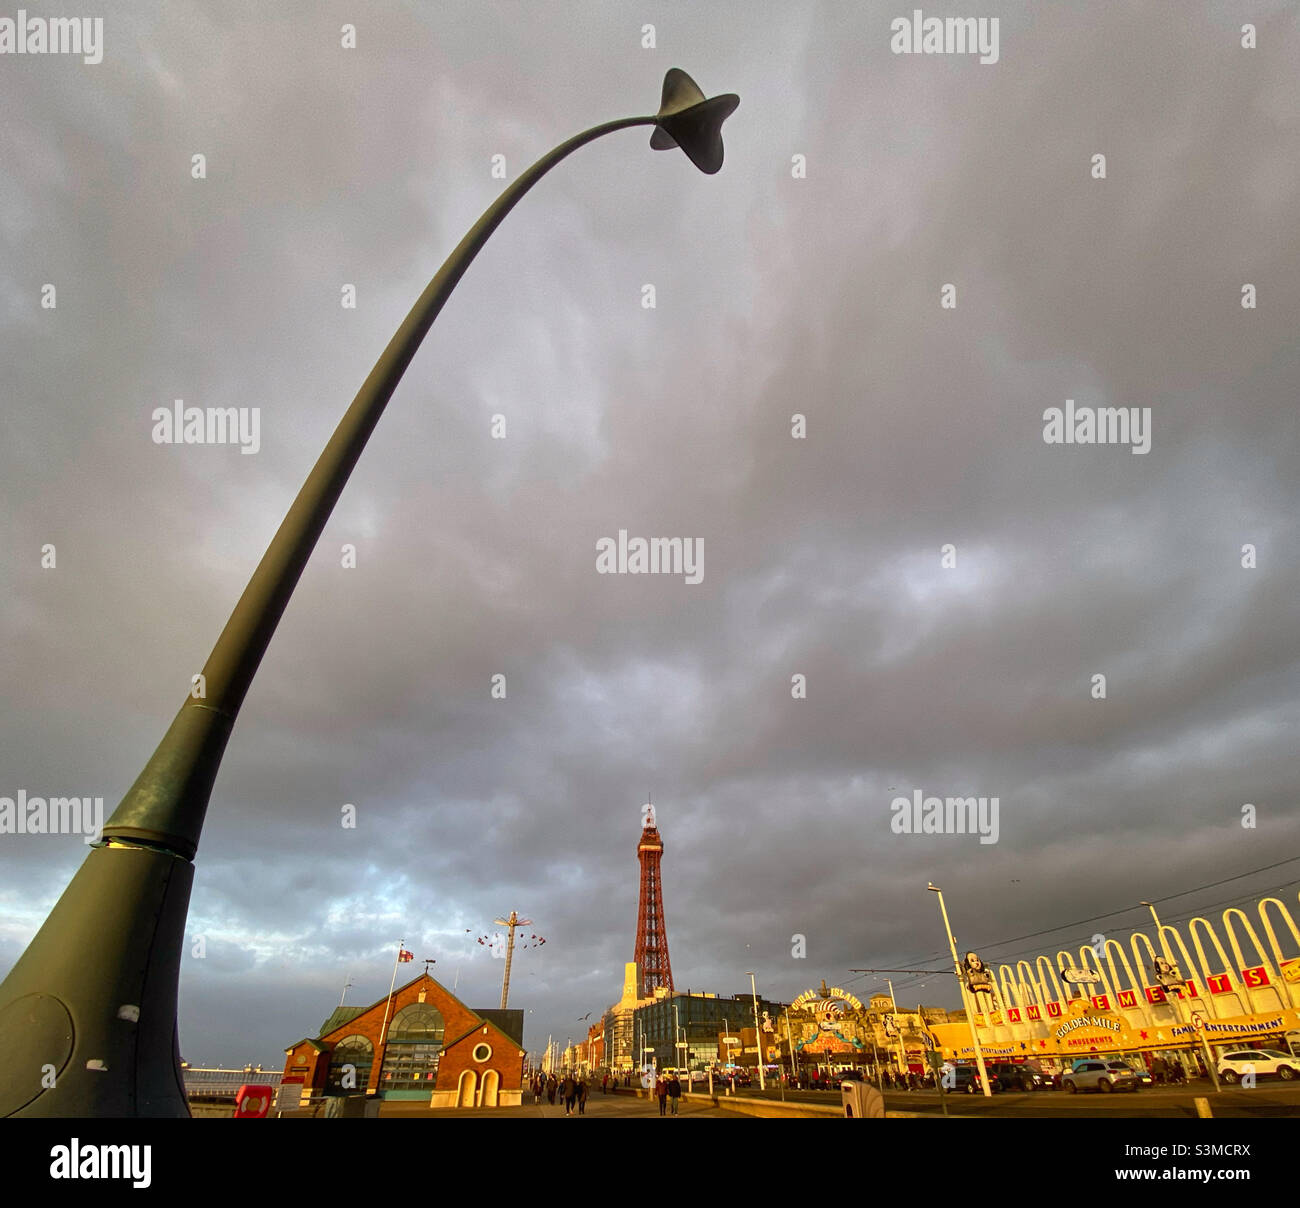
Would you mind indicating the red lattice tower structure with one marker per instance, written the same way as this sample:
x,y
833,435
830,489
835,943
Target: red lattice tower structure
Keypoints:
x,y
651,934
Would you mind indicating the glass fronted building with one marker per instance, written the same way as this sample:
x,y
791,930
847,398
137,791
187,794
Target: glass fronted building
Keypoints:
x,y
698,1021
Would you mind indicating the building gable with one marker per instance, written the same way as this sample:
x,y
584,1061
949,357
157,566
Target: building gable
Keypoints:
x,y
459,1024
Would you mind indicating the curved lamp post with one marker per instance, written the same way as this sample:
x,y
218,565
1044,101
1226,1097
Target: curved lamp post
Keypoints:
x,y
88,1014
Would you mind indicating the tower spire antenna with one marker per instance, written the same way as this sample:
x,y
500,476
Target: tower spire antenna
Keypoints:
x,y
651,953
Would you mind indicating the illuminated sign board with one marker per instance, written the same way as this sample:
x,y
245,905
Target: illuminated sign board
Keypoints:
x,y
831,1004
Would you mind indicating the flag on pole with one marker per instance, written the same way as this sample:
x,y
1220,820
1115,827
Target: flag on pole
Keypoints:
x,y
403,956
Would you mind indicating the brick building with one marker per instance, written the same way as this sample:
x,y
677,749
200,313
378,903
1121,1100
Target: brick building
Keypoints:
x,y
436,1049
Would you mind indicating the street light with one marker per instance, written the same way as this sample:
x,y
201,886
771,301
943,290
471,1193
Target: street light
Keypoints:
x,y
94,995
727,1041
676,1038
643,1047
967,1001
902,1052
794,1060
758,1035
1175,1001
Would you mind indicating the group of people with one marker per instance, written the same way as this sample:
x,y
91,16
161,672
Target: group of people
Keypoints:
x,y
894,1080
668,1090
886,1079
572,1092
1168,1072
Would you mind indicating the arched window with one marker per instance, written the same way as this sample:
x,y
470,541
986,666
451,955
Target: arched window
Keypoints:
x,y
356,1051
414,1043
420,1023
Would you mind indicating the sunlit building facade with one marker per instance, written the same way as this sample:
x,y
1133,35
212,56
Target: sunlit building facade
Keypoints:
x,y
423,1044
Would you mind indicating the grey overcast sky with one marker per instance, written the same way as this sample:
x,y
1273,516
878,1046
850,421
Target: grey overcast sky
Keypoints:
x,y
776,293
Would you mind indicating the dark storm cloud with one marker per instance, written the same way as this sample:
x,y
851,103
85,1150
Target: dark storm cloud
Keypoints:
x,y
774,296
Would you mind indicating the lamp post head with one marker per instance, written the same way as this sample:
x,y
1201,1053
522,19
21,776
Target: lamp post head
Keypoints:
x,y
932,887
689,120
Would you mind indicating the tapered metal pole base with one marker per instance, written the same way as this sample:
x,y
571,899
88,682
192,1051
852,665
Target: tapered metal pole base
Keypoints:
x,y
89,1025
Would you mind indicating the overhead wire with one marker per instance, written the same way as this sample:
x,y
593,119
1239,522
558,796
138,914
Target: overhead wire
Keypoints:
x,y
991,947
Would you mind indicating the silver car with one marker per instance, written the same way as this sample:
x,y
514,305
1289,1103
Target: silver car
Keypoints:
x,y
1104,1076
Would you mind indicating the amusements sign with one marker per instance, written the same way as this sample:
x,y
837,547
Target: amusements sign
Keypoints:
x,y
822,1004
834,1028
1103,1032
826,1042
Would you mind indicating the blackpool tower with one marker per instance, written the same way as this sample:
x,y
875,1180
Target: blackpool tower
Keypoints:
x,y
651,934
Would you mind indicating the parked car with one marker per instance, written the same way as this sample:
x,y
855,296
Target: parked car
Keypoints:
x,y
967,1078
1103,1076
1019,1076
1266,1063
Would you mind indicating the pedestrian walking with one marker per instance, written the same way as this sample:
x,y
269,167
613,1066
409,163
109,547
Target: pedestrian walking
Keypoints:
x,y
570,1094
551,1086
661,1093
604,1084
674,1091
582,1096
